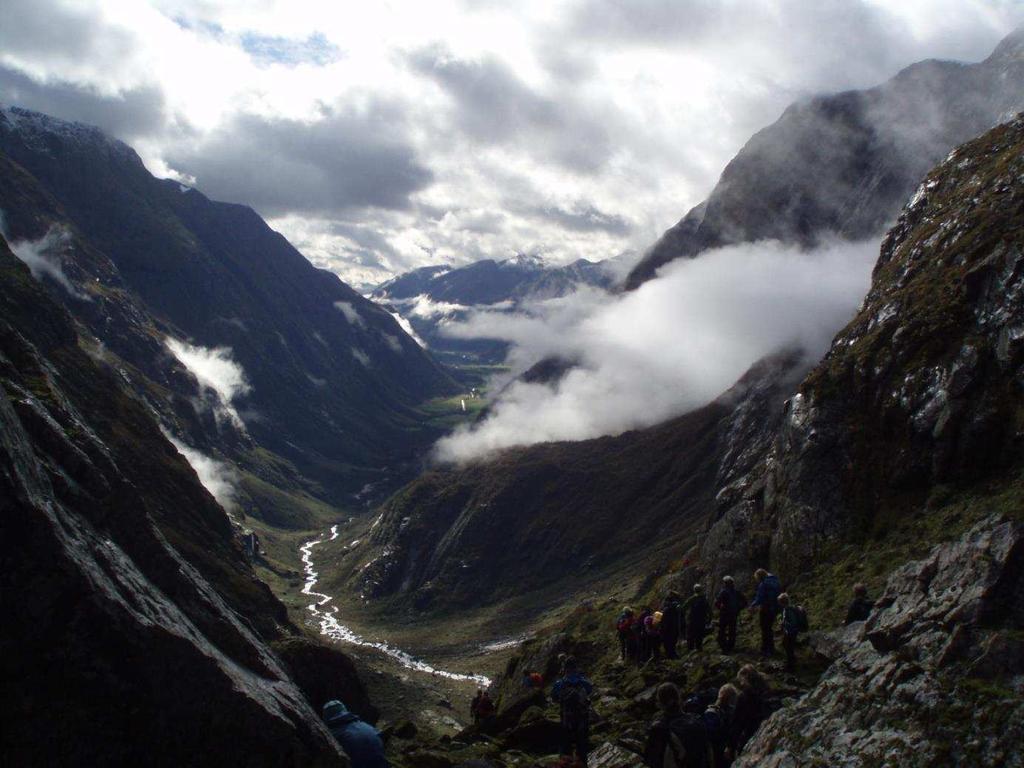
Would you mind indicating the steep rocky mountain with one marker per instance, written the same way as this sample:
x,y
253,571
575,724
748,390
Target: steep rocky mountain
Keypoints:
x,y
246,349
846,163
922,390
134,629
899,463
431,297
551,518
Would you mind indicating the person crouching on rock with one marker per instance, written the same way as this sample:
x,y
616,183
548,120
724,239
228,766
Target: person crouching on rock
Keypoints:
x,y
861,607
572,693
698,616
360,740
766,603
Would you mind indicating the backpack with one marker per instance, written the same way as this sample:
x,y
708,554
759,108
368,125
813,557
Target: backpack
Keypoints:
x,y
575,705
656,621
716,724
624,624
674,755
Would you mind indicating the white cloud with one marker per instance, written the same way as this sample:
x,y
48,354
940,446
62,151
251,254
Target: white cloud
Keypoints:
x,y
218,478
669,347
662,93
351,313
217,373
361,356
42,257
407,327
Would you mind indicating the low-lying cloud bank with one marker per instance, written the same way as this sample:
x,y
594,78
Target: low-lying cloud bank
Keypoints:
x,y
217,477
220,378
667,348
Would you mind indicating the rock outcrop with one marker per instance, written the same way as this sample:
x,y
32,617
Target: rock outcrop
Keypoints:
x,y
134,630
923,388
934,677
845,164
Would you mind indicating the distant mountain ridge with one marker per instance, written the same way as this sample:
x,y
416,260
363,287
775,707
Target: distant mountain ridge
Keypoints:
x,y
325,379
844,164
431,297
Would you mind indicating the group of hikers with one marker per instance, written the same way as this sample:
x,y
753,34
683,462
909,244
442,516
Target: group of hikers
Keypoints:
x,y
646,635
704,730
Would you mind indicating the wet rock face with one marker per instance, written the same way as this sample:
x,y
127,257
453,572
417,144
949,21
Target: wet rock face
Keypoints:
x,y
913,686
134,631
923,387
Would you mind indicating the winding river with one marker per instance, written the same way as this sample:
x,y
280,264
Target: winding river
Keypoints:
x,y
326,614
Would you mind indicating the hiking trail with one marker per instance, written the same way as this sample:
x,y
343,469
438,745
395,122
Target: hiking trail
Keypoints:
x,y
326,615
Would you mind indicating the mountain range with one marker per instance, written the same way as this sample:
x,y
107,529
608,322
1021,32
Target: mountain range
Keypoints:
x,y
844,164
431,298
249,353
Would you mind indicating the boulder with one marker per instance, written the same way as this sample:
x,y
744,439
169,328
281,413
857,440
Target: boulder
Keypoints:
x,y
912,687
609,755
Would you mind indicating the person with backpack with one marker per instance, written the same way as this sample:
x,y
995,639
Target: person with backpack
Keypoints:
x,y
718,722
652,632
861,607
766,603
793,622
751,705
623,628
360,740
671,623
640,630
729,603
572,693
676,739
698,617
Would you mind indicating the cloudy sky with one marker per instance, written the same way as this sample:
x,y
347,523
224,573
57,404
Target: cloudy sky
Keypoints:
x,y
380,136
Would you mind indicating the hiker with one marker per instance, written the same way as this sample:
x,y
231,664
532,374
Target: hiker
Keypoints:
x,y
474,707
642,635
676,739
718,722
360,740
751,705
766,603
636,630
793,622
861,607
729,603
485,710
572,693
698,616
624,626
671,623
652,633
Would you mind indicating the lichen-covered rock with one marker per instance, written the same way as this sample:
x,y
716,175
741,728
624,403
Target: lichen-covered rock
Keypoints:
x,y
609,755
913,685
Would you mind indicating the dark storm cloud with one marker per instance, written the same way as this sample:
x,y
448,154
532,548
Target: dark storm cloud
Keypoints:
x,y
61,33
494,106
346,160
127,116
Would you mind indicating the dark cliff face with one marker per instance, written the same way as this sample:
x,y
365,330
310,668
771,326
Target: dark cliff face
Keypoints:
x,y
134,629
559,516
334,381
922,389
845,164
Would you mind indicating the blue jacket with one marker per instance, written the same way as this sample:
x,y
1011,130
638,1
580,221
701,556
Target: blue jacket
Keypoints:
x,y
360,740
768,592
570,681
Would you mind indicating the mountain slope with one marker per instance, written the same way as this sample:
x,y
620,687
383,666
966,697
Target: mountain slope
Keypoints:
x,y
922,390
328,380
552,518
846,163
431,298
134,629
